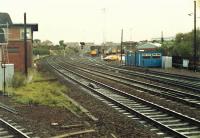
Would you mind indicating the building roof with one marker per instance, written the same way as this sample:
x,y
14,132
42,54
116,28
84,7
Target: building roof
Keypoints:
x,y
148,46
5,18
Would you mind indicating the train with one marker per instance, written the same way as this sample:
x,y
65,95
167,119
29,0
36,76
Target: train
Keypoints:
x,y
93,53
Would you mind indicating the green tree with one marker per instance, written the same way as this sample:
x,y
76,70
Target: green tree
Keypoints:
x,y
61,43
47,43
181,46
36,42
166,48
184,44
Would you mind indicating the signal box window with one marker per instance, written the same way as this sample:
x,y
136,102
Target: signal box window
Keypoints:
x,y
28,33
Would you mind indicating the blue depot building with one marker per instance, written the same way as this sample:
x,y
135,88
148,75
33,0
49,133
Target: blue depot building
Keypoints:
x,y
146,55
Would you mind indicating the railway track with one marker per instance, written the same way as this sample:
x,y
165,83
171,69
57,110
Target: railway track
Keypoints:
x,y
189,99
9,129
7,108
140,69
171,79
164,122
183,77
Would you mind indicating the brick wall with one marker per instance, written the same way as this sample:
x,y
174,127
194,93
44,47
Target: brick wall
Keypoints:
x,y
16,54
14,33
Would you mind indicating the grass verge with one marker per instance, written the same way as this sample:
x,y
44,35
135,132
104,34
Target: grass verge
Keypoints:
x,y
40,91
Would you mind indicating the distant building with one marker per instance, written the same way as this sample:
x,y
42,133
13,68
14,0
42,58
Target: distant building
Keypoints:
x,y
129,46
15,42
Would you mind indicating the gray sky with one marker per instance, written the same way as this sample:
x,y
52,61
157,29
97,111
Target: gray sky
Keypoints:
x,y
85,20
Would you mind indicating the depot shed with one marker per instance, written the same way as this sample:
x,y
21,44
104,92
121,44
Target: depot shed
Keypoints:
x,y
130,59
144,59
146,55
148,59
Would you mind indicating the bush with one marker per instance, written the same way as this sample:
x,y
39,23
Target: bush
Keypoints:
x,y
18,80
40,51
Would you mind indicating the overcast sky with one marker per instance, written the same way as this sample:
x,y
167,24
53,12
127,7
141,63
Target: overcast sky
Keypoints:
x,y
99,20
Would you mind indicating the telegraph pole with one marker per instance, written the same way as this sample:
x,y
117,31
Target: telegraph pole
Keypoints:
x,y
121,44
195,41
25,47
